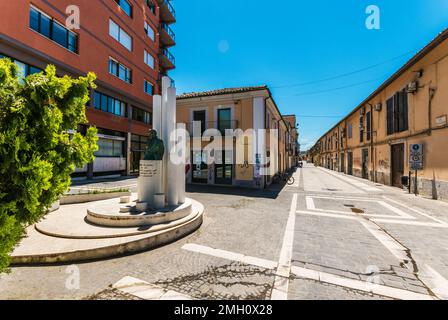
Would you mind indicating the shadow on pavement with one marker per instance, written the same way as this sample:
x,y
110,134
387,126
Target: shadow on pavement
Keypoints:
x,y
271,192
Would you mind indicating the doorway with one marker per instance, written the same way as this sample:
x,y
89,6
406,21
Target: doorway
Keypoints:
x,y
342,167
200,167
350,163
224,167
397,167
365,163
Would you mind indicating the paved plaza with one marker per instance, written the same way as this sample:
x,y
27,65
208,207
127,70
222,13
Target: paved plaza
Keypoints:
x,y
328,236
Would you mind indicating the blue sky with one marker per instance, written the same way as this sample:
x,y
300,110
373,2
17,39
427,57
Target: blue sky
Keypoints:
x,y
291,45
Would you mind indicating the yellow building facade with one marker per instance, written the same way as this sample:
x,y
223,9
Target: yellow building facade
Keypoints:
x,y
246,158
400,127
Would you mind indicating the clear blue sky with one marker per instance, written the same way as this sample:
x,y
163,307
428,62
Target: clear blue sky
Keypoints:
x,y
232,43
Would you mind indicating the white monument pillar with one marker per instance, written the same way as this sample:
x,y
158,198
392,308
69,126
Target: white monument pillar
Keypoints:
x,y
181,152
172,170
164,179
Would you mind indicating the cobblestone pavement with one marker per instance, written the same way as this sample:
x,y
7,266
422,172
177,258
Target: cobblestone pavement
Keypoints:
x,y
329,236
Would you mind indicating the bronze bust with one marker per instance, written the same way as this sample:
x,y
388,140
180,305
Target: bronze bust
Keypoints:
x,y
154,148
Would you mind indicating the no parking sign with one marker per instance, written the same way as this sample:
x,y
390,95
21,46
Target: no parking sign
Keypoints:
x,y
416,157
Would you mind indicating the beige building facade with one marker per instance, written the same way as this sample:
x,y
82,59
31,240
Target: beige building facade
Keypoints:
x,y
258,144
400,127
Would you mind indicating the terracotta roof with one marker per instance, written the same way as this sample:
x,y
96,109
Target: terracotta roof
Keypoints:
x,y
220,92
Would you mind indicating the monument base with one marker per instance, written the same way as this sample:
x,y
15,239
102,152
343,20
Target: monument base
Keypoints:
x,y
150,183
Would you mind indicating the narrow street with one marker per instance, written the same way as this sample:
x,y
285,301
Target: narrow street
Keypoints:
x,y
328,236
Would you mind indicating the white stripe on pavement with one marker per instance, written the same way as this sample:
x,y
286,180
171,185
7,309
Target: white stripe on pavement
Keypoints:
x,y
281,283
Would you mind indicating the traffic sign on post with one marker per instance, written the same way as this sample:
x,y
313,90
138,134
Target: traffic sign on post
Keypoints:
x,y
416,157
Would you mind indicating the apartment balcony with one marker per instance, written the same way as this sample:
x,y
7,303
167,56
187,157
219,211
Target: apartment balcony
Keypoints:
x,y
167,12
221,126
167,36
167,60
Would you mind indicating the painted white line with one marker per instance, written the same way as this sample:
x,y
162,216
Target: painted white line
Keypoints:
x,y
391,244
310,203
310,274
328,215
345,198
230,256
358,284
413,223
395,210
417,211
437,283
281,282
146,291
352,181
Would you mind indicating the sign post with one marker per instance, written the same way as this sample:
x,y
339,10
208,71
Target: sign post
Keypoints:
x,y
416,161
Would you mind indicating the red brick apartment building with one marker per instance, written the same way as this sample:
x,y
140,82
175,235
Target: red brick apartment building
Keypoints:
x,y
124,42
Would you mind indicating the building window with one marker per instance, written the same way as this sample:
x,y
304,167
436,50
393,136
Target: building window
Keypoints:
x,y
120,35
369,125
200,117
108,104
110,148
53,30
361,129
397,113
149,59
24,69
120,71
149,31
126,6
141,115
151,6
149,88
225,120
349,131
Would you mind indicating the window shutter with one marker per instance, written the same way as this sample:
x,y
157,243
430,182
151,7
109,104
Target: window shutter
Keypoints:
x,y
404,111
390,116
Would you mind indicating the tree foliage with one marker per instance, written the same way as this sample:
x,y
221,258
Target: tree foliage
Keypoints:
x,y
37,152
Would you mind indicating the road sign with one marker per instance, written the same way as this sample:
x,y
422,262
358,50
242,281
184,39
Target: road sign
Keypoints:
x,y
416,157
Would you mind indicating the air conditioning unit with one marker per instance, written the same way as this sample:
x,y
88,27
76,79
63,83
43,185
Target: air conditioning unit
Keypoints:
x,y
378,107
412,87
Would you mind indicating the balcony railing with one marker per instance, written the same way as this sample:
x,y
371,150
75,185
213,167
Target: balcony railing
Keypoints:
x,y
169,55
169,31
168,14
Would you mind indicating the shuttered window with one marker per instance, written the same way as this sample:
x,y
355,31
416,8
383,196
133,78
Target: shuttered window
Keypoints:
x,y
369,125
397,113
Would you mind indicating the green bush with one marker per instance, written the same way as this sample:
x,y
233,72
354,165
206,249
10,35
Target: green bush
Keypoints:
x,y
37,154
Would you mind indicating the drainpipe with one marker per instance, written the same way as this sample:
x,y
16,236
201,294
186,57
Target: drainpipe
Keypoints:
x,y
431,94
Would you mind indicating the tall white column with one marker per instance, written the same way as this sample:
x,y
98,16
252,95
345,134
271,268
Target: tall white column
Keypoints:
x,y
157,114
182,147
172,166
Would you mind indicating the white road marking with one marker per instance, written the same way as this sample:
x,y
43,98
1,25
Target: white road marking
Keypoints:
x,y
417,211
395,210
413,223
281,282
309,274
352,181
328,215
230,256
146,291
437,283
358,285
310,203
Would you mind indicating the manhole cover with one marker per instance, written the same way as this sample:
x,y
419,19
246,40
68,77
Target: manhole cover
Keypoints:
x,y
356,210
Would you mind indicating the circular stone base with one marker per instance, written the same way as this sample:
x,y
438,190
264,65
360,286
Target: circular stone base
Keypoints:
x,y
112,213
65,236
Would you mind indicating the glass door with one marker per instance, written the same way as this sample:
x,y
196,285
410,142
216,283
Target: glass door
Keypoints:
x,y
224,167
200,167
